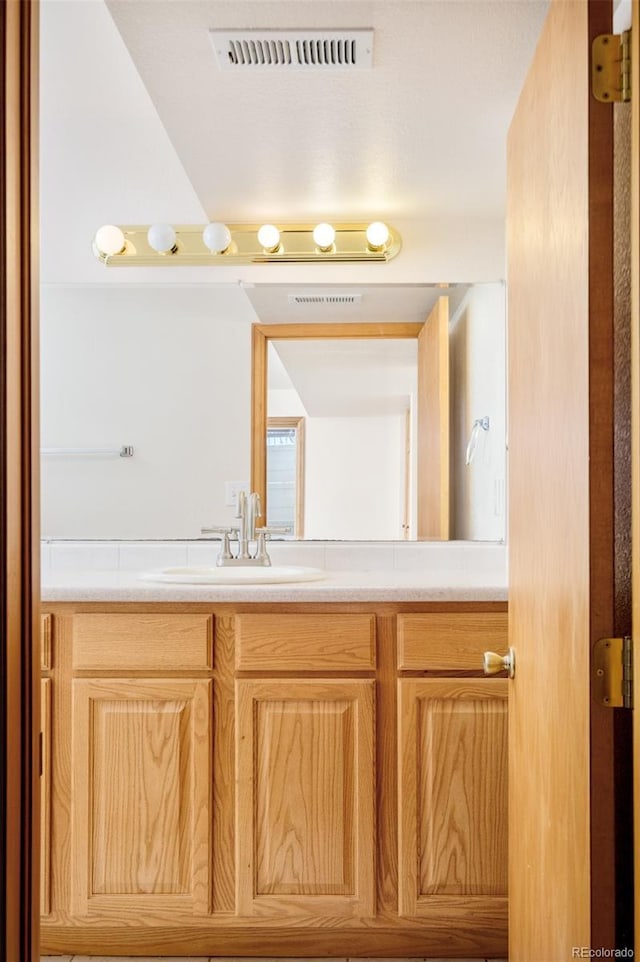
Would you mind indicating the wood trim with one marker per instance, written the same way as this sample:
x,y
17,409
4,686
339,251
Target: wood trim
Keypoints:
x,y
291,332
261,335
46,642
19,510
434,424
601,425
259,350
635,435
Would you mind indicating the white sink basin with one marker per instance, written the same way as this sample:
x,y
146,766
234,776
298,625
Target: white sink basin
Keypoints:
x,y
235,575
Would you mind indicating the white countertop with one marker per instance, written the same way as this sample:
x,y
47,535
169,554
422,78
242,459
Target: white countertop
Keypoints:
x,y
344,586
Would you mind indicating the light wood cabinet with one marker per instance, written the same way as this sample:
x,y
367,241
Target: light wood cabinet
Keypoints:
x,y
281,780
453,793
141,780
306,806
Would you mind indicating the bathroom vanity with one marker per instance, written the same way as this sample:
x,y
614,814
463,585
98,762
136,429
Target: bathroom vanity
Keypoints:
x,y
302,777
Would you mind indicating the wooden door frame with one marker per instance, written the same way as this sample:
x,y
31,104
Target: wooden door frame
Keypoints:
x,y
19,505
635,439
261,335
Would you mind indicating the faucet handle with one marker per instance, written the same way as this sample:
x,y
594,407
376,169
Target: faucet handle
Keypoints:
x,y
273,529
230,532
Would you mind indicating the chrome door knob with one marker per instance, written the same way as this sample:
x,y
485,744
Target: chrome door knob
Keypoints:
x,y
493,663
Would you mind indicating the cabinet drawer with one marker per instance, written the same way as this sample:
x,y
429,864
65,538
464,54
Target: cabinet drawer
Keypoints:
x,y
46,637
171,642
305,642
453,641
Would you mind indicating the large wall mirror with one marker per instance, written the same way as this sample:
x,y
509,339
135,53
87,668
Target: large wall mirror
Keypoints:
x,y
167,371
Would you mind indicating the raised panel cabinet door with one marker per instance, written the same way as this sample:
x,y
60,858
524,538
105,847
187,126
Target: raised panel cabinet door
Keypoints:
x,y
453,797
141,787
305,802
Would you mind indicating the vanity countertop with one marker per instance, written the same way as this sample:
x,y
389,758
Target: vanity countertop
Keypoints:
x,y
338,586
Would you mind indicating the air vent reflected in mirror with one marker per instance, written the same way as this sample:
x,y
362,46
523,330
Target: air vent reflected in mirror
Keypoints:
x,y
324,298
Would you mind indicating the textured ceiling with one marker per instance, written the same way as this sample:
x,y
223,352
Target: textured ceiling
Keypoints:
x,y
139,125
420,133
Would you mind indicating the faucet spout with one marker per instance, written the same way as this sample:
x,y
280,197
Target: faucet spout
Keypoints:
x,y
254,511
241,514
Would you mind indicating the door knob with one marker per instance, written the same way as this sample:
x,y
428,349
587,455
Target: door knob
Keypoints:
x,y
494,663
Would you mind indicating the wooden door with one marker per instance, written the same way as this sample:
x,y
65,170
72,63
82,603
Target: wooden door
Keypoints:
x,y
453,798
433,424
306,811
561,577
141,784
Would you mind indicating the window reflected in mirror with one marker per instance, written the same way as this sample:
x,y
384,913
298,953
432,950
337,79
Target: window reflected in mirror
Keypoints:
x,y
285,474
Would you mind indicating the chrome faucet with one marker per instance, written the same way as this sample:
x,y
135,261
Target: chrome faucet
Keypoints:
x,y
248,511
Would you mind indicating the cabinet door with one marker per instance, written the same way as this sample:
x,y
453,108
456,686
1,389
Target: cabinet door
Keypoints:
x,y
45,797
141,786
305,801
453,795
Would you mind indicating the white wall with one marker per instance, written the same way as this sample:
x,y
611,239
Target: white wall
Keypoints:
x,y
478,389
166,370
354,489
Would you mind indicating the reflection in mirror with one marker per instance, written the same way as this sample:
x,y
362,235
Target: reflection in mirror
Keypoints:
x,y
388,411
356,399
166,369
285,473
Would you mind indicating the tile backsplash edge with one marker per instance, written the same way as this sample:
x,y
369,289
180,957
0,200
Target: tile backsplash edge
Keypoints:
x,y
483,557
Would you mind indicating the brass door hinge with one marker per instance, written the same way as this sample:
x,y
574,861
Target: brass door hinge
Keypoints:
x,y
613,672
611,67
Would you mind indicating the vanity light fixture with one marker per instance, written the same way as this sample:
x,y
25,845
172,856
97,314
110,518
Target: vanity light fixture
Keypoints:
x,y
216,243
162,238
377,236
324,235
217,238
109,239
269,238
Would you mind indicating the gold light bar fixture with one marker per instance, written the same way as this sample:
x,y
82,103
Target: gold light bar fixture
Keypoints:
x,y
166,245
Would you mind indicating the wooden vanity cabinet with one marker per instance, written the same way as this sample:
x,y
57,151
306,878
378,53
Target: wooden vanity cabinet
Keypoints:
x,y
277,780
453,751
306,766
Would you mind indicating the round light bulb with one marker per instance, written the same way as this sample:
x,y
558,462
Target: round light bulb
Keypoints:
x,y
162,238
324,236
377,235
269,238
216,237
109,239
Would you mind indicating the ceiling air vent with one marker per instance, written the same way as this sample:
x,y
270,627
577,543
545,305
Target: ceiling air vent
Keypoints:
x,y
324,298
293,49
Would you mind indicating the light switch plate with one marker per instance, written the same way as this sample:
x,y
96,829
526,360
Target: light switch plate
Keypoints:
x,y
231,489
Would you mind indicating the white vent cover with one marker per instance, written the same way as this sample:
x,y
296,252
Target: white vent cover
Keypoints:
x,y
293,49
324,298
